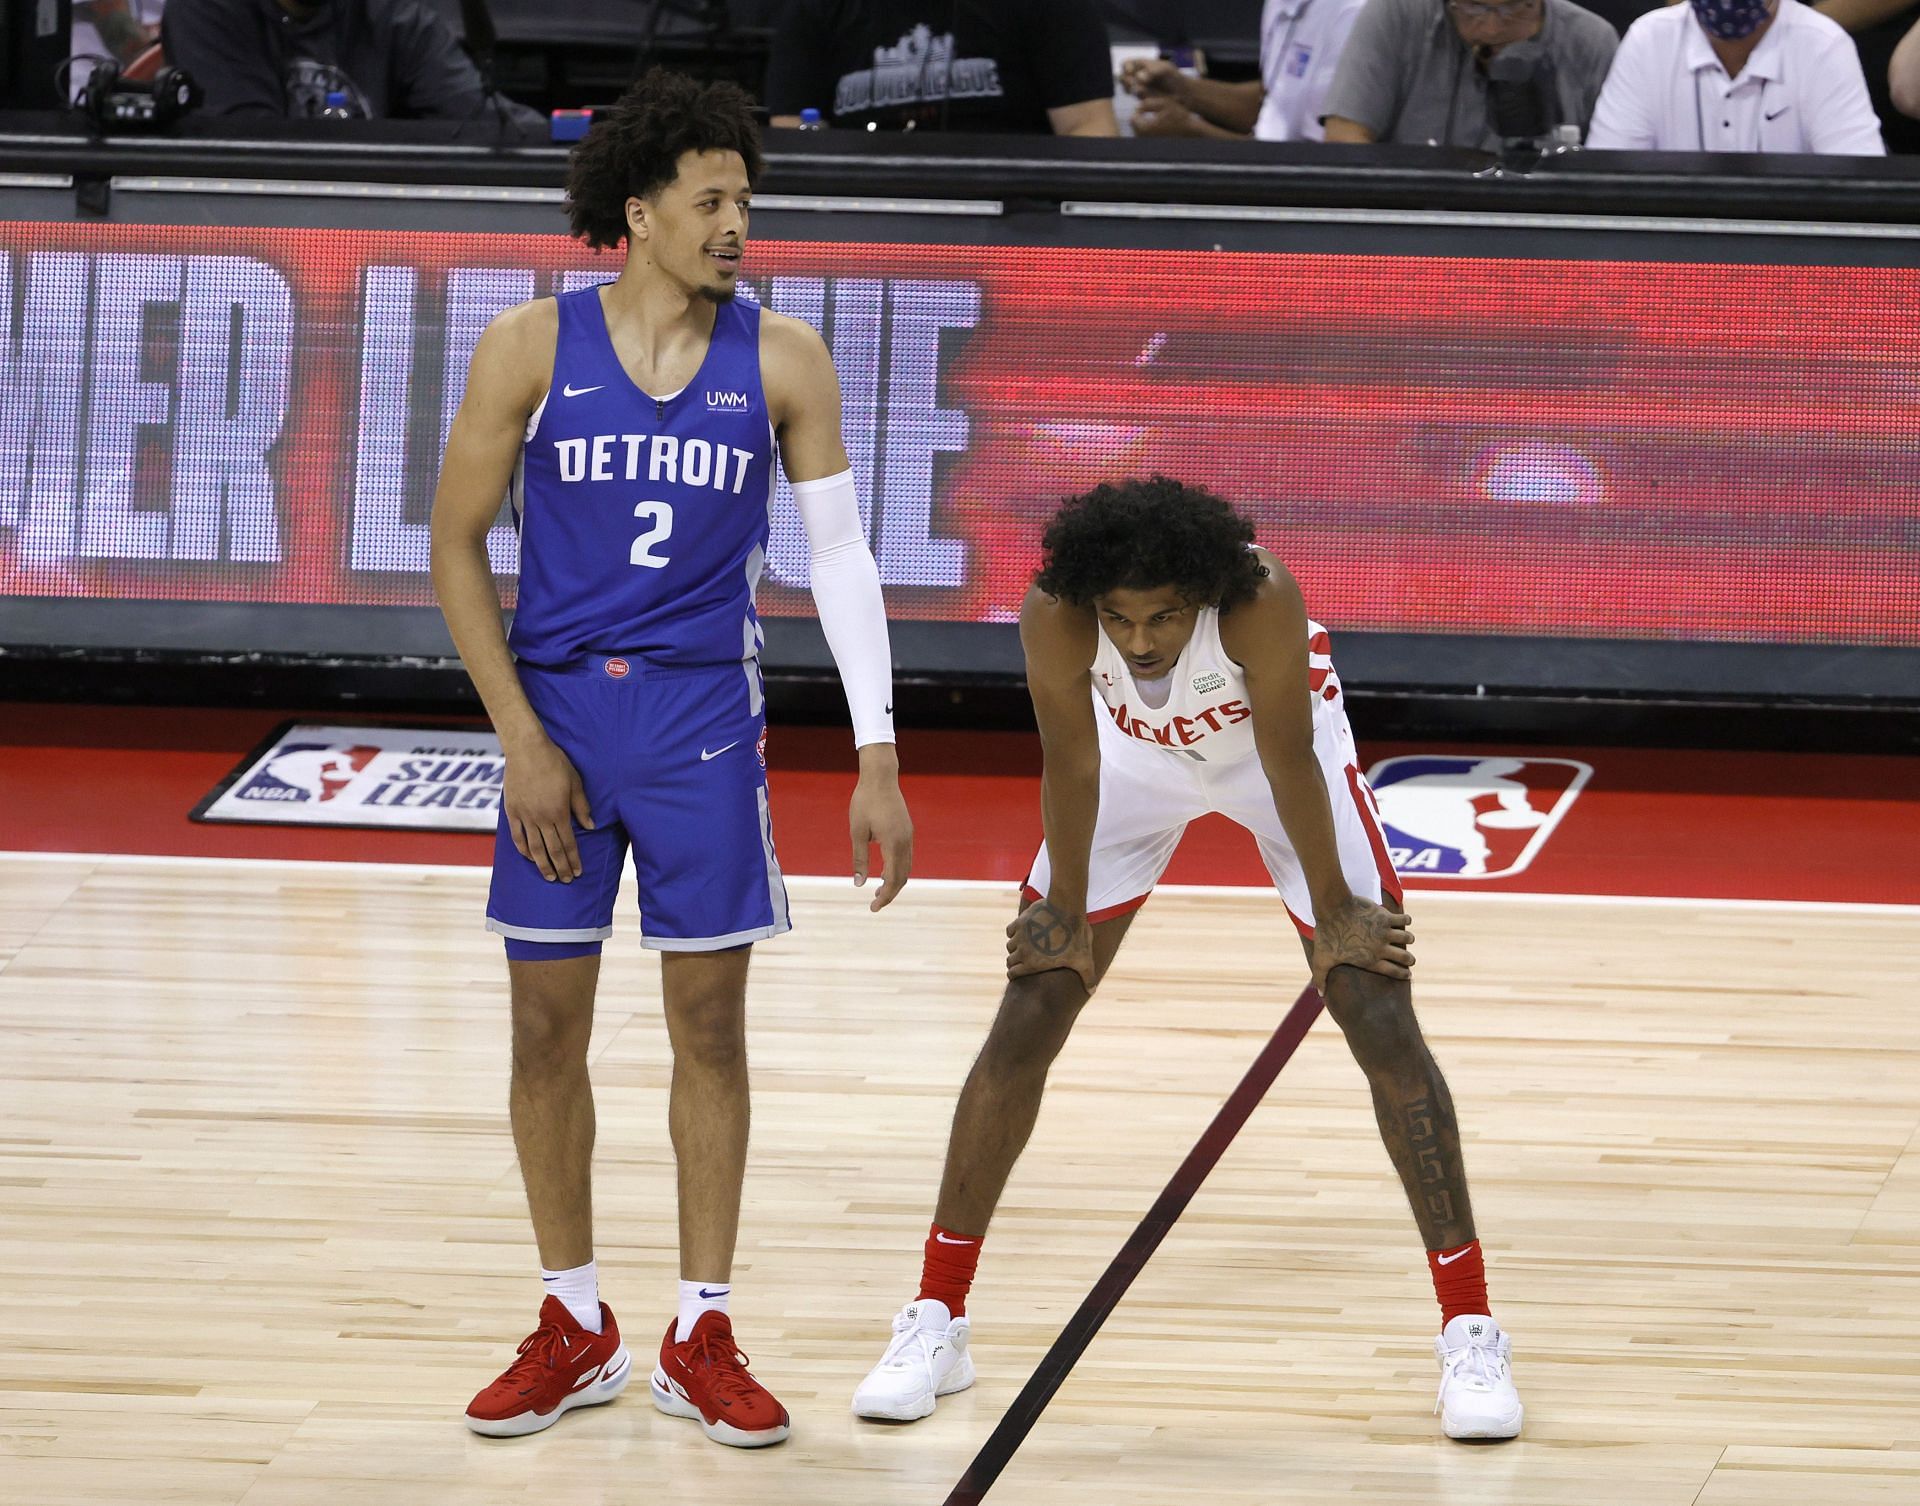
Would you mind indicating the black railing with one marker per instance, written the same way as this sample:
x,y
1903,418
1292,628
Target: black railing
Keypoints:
x,y
1032,169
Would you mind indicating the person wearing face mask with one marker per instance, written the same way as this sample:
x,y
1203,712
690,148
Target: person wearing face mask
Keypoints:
x,y
1737,76
1414,71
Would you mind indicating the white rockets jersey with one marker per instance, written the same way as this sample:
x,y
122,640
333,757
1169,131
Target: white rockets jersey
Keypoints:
x,y
1206,715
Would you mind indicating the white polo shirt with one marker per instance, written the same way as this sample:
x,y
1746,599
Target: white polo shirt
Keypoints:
x,y
1802,90
1300,45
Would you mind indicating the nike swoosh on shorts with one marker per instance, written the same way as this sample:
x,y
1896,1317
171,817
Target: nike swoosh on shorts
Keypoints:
x,y
705,755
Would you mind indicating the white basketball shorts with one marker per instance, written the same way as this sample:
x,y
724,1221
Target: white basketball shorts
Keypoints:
x,y
1149,794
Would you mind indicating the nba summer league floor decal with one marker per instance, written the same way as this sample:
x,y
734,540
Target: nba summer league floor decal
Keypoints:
x,y
1465,816
404,778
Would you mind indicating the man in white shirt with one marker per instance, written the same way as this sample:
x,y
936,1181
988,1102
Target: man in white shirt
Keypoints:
x,y
1300,44
1736,76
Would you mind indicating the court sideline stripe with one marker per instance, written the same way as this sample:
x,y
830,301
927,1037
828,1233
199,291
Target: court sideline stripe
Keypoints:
x,y
1100,1302
1009,886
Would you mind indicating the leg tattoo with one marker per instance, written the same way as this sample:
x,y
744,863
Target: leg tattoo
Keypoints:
x,y
1410,1101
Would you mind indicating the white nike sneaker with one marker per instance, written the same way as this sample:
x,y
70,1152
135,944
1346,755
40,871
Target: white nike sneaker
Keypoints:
x,y
1477,1396
927,1359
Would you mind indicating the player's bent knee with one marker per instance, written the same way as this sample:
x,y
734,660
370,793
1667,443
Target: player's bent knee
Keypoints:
x,y
1375,1013
1036,1014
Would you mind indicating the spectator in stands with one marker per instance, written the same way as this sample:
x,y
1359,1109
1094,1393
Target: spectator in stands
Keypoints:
x,y
1300,45
1876,27
125,34
1736,76
961,65
390,58
1414,71
1903,75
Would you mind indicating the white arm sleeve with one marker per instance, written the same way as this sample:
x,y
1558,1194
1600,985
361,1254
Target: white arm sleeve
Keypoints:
x,y
846,592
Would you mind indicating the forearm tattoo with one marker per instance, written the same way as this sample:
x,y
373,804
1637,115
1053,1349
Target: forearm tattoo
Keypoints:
x,y
1049,932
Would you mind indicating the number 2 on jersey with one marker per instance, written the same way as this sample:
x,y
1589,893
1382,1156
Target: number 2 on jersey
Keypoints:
x,y
661,516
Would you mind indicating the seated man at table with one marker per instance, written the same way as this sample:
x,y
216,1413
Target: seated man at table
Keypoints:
x,y
392,59
960,65
1414,71
1737,76
1300,46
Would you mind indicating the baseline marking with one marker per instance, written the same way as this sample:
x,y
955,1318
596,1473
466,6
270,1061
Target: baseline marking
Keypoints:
x,y
1008,886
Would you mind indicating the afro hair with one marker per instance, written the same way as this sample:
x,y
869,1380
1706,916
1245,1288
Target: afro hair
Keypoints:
x,y
1141,534
635,151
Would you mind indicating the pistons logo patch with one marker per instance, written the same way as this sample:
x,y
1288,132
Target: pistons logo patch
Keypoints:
x,y
760,748
1469,817
617,669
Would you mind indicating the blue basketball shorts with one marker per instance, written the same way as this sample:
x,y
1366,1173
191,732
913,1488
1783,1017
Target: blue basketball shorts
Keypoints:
x,y
674,765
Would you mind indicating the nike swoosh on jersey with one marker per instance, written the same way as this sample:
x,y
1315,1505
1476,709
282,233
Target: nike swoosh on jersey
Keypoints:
x,y
705,755
572,391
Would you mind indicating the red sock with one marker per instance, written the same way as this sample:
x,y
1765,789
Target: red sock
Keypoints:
x,y
1459,1281
947,1271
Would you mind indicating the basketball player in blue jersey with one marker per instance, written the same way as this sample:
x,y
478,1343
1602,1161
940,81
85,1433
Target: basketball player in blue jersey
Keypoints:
x,y
1174,672
637,424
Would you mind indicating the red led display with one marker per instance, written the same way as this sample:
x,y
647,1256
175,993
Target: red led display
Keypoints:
x,y
1458,445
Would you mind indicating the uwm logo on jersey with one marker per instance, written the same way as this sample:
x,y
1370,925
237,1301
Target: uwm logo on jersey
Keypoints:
x,y
719,401
1471,817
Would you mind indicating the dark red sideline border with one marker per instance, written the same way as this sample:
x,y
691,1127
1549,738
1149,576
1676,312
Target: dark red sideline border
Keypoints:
x,y
1059,1361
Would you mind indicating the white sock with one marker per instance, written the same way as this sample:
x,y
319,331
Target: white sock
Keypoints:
x,y
697,1297
579,1289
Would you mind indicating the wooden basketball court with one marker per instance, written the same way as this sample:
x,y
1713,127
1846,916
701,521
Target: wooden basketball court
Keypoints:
x,y
264,1233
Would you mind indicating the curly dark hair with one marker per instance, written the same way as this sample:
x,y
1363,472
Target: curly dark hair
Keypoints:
x,y
635,151
1136,535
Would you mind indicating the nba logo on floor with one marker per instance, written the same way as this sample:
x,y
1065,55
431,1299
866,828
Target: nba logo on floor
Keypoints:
x,y
1470,817
302,772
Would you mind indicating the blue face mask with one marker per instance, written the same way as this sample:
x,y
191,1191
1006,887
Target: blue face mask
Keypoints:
x,y
1730,20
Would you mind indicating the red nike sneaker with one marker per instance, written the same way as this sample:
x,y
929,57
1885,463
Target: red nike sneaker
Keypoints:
x,y
706,1379
561,1366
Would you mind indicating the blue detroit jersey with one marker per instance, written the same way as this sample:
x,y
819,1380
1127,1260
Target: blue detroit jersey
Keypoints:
x,y
643,522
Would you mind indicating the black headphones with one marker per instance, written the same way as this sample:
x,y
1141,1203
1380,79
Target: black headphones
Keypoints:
x,y
115,103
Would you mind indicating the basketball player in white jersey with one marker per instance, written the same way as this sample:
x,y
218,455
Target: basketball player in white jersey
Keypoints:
x,y
1174,672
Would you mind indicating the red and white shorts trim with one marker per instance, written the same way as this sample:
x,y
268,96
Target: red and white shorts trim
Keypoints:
x,y
1149,794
